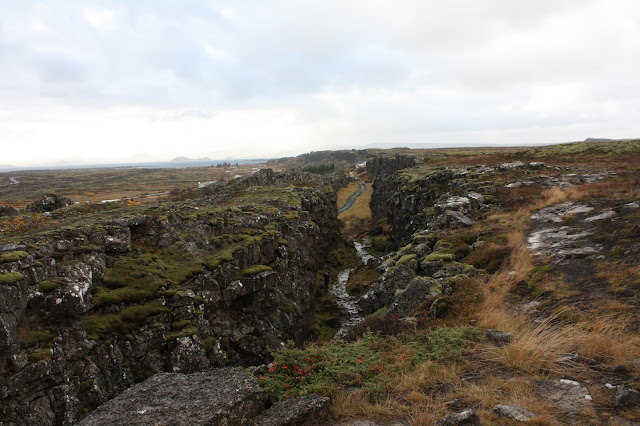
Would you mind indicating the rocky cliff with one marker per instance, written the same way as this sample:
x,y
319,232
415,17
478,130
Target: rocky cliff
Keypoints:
x,y
106,295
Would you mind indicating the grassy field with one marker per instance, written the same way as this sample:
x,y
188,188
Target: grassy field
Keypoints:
x,y
107,184
356,219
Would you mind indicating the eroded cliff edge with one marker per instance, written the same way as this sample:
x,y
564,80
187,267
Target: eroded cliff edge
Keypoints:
x,y
107,295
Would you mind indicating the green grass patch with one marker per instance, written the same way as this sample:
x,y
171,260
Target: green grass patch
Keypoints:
x,y
437,256
103,326
10,278
372,363
39,355
255,269
49,285
33,338
178,325
13,256
189,331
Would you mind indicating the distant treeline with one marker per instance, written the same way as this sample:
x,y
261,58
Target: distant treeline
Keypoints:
x,y
320,169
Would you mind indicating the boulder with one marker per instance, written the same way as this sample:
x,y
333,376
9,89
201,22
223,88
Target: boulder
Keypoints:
x,y
48,203
417,292
498,337
466,417
511,166
565,394
224,396
8,211
292,411
626,398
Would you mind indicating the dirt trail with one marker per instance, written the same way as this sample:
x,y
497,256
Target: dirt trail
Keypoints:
x,y
352,198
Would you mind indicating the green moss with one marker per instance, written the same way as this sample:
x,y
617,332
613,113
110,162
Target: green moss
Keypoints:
x,y
78,371
405,259
49,285
437,256
287,306
33,338
189,331
177,325
39,355
13,256
102,326
7,414
255,269
10,278
85,385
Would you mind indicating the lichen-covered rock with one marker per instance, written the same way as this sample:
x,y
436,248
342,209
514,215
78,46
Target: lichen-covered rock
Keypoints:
x,y
418,291
514,412
565,394
224,396
466,417
189,355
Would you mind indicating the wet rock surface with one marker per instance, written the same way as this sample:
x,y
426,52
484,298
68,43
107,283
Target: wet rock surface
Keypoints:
x,y
224,396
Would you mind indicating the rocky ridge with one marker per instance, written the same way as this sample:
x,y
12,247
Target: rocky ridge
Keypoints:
x,y
109,297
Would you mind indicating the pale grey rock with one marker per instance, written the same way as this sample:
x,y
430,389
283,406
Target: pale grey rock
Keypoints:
x,y
498,337
514,412
557,213
511,166
606,214
224,396
466,417
292,411
417,292
565,394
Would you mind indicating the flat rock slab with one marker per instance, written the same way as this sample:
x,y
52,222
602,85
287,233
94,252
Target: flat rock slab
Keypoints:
x,y
224,396
292,411
565,394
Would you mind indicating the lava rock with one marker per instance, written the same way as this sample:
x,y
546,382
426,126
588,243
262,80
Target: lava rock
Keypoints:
x,y
292,411
224,396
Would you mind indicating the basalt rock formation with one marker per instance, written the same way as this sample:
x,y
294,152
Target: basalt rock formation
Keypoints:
x,y
110,294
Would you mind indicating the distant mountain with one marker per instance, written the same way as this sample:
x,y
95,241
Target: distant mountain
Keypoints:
x,y
192,159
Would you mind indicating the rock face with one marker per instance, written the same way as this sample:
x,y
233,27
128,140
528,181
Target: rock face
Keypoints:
x,y
383,170
48,203
123,293
292,411
224,396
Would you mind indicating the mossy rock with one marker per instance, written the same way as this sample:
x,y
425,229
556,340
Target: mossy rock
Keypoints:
x,y
13,256
405,259
189,331
10,278
49,285
439,256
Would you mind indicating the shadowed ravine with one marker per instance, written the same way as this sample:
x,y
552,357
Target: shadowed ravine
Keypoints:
x,y
351,312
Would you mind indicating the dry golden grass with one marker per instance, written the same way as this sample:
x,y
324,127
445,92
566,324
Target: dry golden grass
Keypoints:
x,y
357,404
427,374
346,192
357,218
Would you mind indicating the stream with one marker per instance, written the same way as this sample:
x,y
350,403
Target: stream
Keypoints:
x,y
349,304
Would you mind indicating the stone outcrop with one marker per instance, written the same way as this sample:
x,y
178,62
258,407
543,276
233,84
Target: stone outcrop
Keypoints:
x,y
224,396
118,294
48,203
7,211
383,170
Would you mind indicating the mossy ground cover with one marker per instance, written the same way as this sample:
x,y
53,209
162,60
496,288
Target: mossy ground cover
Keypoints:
x,y
121,323
373,363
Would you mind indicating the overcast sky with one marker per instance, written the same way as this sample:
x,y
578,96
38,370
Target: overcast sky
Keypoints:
x,y
119,81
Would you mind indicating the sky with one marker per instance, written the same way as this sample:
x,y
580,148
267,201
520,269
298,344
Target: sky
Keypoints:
x,y
148,80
